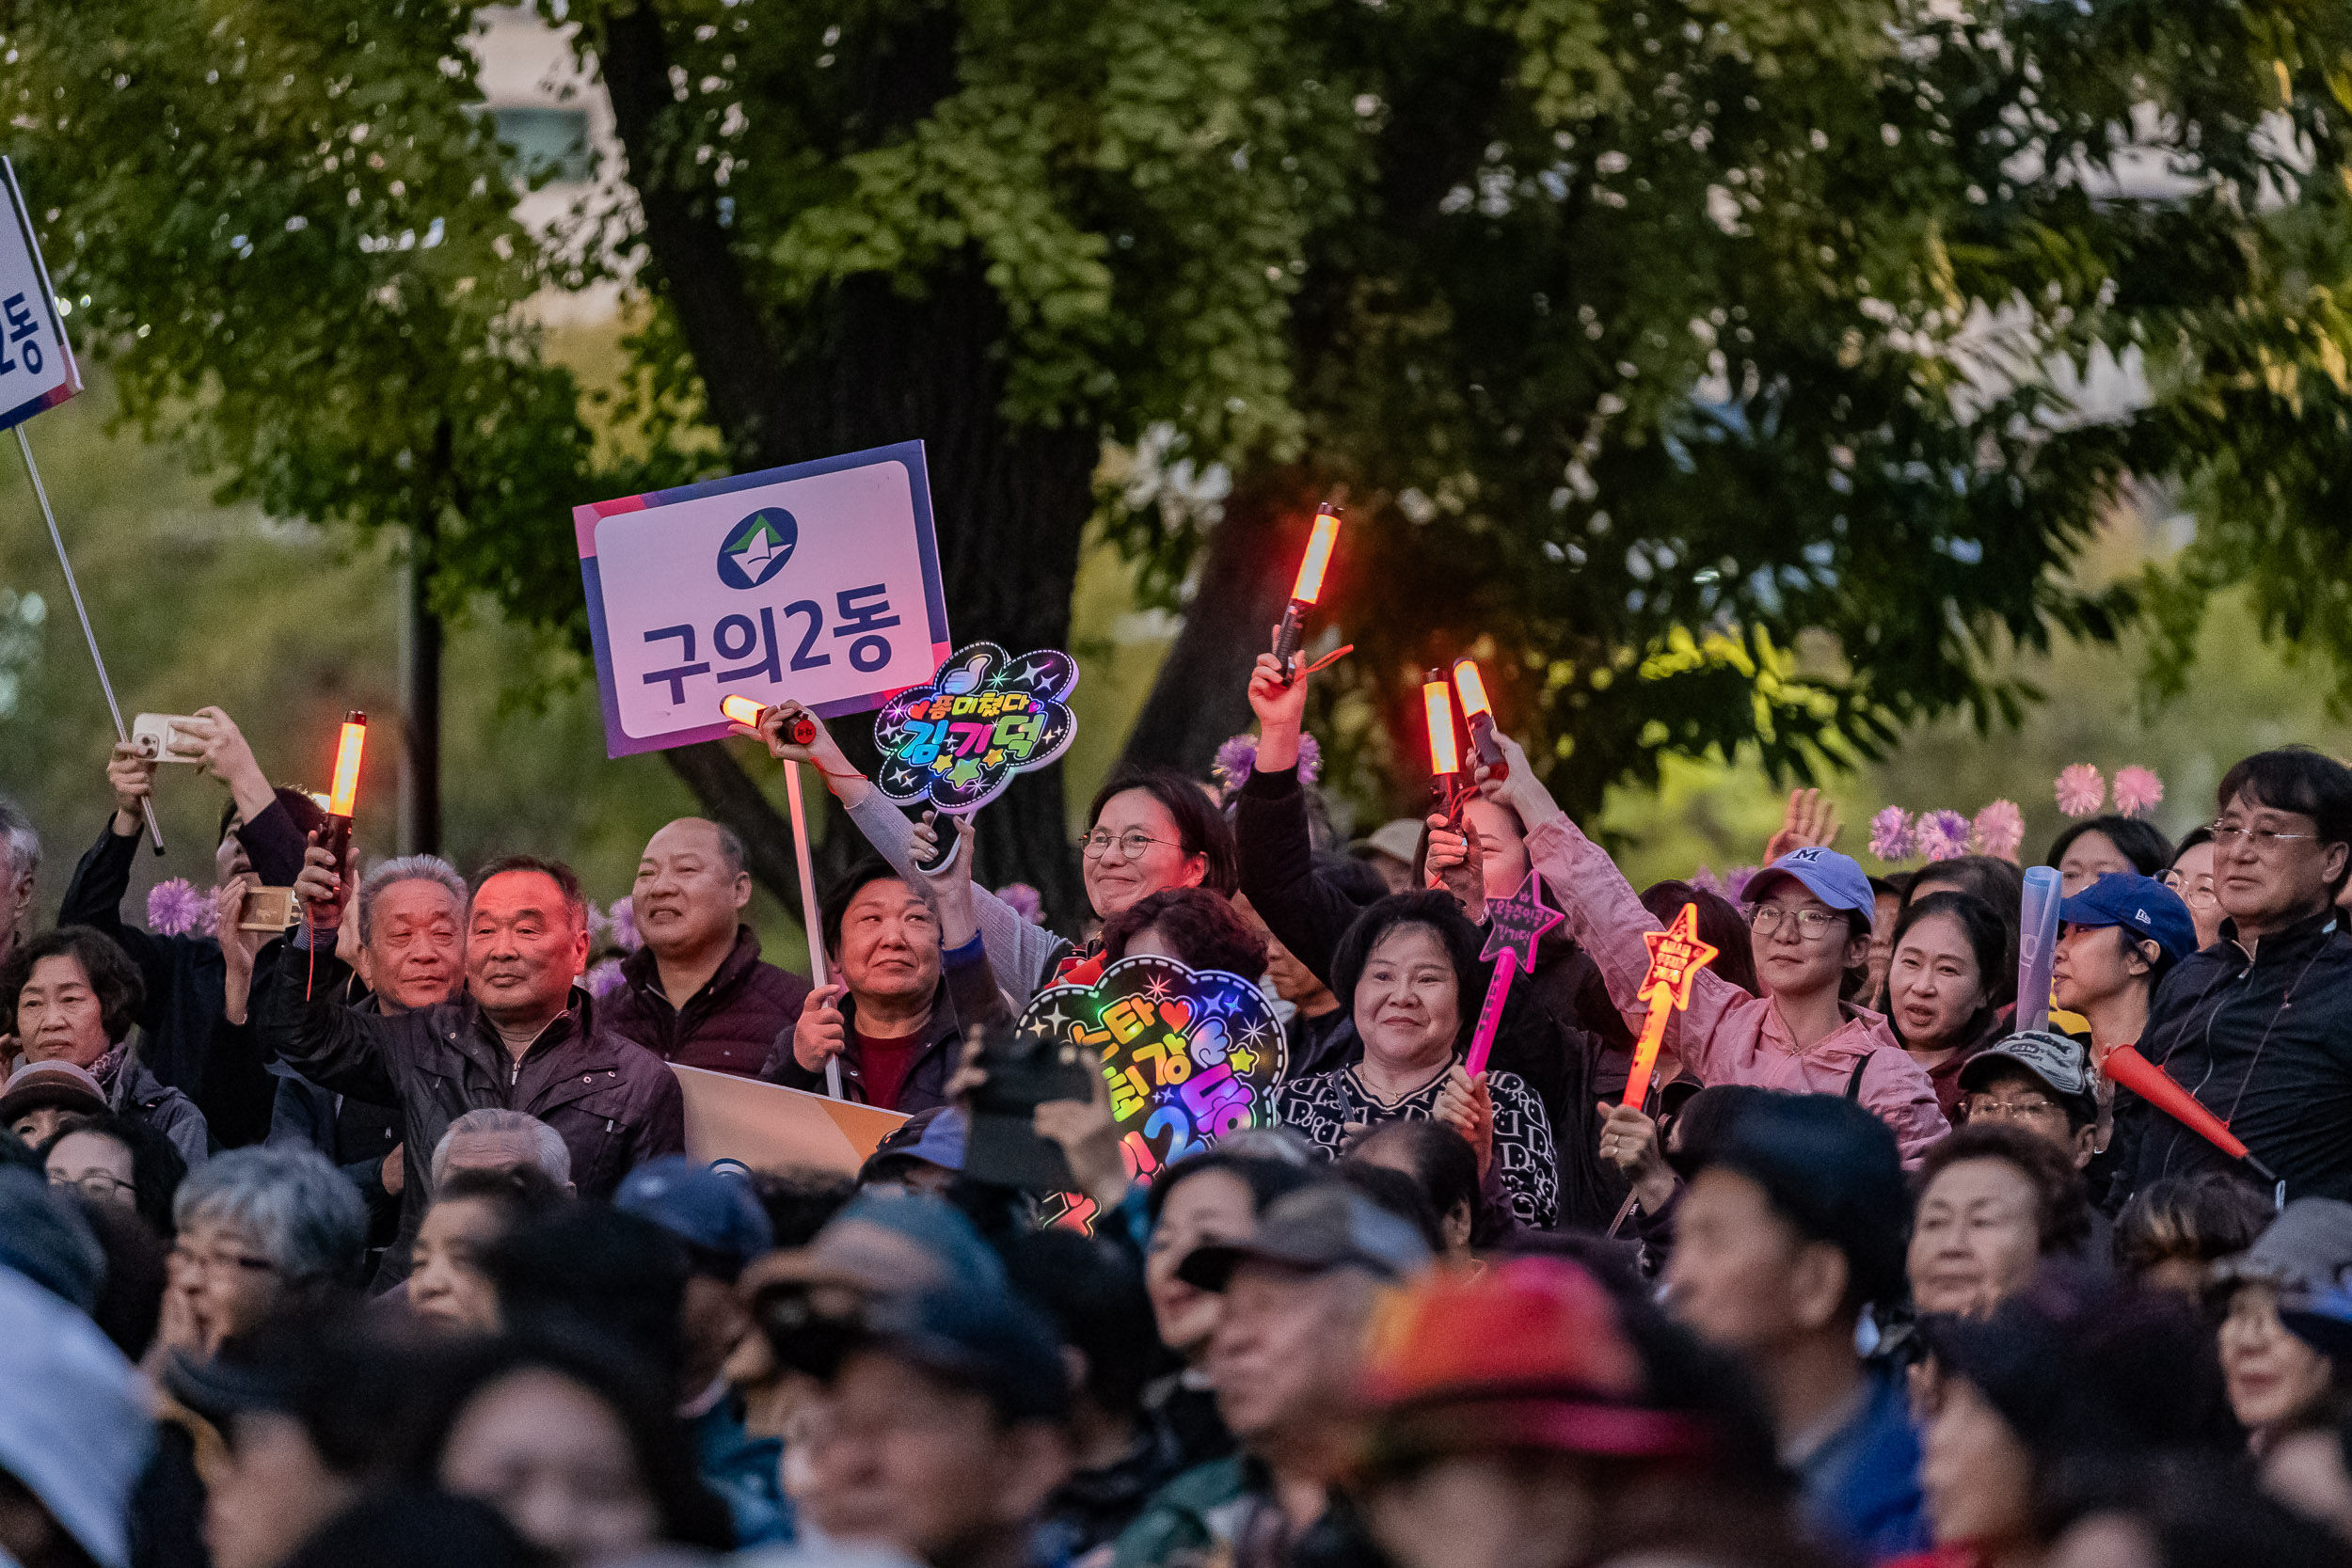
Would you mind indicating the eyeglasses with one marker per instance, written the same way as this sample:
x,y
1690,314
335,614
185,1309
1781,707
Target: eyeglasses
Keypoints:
x,y
1812,925
2199,896
1132,844
2265,840
99,1184
244,1262
2030,1109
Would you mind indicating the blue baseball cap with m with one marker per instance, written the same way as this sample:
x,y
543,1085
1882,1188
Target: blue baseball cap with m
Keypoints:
x,y
1832,878
2141,905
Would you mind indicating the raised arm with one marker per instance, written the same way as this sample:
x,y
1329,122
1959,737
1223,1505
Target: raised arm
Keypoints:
x,y
301,1011
1306,913
1021,952
1605,917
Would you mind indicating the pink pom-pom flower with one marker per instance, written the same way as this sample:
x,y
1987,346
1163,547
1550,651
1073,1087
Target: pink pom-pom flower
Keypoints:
x,y
1892,838
2137,790
626,936
2000,830
175,909
1025,901
1943,836
604,979
2081,790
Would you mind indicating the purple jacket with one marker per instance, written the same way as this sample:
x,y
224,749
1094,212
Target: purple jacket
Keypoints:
x,y
733,1024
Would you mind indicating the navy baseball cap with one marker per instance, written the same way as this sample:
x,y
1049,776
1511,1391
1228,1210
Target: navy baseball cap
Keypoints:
x,y
1832,878
2142,904
709,1210
935,1136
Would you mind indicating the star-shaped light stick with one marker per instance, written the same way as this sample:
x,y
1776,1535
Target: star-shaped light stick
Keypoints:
x,y
1519,923
1676,956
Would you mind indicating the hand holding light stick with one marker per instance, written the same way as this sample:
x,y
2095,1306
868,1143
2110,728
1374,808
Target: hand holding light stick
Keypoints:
x,y
1676,956
2037,947
1307,588
344,799
1478,715
802,731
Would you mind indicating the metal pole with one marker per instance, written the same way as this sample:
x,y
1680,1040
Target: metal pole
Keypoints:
x,y
146,808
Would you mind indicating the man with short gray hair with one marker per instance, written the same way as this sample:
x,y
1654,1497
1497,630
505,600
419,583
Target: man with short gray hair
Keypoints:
x,y
493,1140
697,993
20,869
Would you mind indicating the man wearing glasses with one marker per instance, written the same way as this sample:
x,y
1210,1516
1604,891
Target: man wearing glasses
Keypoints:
x,y
2259,1025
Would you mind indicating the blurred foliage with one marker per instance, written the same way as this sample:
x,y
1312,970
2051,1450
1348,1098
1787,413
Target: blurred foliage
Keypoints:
x,y
1707,363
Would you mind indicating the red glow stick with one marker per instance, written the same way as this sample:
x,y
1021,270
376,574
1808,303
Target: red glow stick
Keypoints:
x,y
1306,588
2126,1065
1676,956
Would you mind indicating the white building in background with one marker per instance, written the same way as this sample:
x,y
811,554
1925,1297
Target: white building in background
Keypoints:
x,y
556,117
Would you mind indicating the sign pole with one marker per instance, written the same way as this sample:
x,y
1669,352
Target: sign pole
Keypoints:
x,y
41,491
810,920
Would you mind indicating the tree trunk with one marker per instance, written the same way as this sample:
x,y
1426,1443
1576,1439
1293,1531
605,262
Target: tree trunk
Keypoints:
x,y
1010,502
1201,697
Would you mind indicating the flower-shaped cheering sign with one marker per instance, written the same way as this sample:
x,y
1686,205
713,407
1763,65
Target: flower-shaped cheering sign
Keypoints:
x,y
985,716
1191,1054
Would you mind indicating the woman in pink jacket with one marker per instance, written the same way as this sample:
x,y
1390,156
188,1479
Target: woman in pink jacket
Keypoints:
x,y
1809,912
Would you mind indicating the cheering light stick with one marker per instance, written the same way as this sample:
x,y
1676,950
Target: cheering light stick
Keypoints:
x,y
1676,956
345,797
802,731
1478,715
1307,588
2037,947
1445,751
1514,926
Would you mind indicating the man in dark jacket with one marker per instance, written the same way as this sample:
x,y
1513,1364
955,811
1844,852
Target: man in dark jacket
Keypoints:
x,y
888,1016
191,1043
696,993
522,1037
2259,1025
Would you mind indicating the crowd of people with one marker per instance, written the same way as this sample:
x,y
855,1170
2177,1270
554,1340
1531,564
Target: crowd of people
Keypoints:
x,y
371,1238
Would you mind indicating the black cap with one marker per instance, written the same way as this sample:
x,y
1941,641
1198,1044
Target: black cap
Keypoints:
x,y
979,1336
1328,1225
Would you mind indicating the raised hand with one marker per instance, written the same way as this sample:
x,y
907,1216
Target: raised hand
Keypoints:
x,y
823,753
1457,862
1089,1141
323,890
1810,823
949,890
132,777
1282,712
1518,788
224,754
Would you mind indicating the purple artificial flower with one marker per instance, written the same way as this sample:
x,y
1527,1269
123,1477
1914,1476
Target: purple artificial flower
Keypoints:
x,y
1310,759
1892,838
599,927
1236,761
2081,790
1025,901
2137,790
175,909
1736,882
1943,836
2000,829
604,979
626,935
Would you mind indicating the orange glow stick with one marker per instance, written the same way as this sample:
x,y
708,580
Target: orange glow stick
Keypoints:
x,y
1478,715
1309,588
1445,754
1676,956
345,793
747,713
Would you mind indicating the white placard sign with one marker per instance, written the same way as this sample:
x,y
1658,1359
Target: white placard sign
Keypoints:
x,y
818,582
37,369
